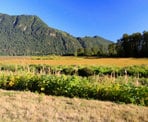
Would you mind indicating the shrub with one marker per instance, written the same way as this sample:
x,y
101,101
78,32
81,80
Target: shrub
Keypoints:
x,y
117,89
85,72
69,70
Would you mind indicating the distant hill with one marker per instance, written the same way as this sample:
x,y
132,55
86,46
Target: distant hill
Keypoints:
x,y
29,35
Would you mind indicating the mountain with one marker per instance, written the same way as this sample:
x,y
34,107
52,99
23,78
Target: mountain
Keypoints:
x,y
29,35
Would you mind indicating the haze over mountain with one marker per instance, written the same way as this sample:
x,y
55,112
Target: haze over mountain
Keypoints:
x,y
29,35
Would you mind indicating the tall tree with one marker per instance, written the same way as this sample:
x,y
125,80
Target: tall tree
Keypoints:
x,y
134,45
112,50
123,45
144,51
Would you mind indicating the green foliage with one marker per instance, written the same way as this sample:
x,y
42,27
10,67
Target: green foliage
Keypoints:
x,y
135,70
124,93
93,46
12,68
140,71
112,50
105,70
134,45
144,81
85,72
75,86
29,35
102,83
70,70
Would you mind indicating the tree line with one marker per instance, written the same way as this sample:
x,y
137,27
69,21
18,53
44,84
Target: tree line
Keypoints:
x,y
134,45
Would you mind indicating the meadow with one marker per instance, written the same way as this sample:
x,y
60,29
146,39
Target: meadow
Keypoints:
x,y
119,80
70,60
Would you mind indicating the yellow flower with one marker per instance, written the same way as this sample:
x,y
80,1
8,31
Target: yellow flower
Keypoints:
x,y
11,83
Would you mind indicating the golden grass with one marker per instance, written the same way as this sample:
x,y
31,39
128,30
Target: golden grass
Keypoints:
x,y
75,61
30,107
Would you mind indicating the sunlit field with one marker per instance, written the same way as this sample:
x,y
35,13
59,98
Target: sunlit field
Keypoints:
x,y
29,107
56,88
58,60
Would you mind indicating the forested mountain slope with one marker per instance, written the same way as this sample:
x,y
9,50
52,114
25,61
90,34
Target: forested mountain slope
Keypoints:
x,y
29,35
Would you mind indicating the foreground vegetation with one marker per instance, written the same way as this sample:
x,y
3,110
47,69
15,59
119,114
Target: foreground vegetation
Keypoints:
x,y
31,107
122,85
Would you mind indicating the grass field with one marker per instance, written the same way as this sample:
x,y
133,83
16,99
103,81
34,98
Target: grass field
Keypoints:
x,y
58,60
30,107
33,107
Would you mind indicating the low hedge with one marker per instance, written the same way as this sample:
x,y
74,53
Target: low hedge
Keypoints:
x,y
75,86
136,71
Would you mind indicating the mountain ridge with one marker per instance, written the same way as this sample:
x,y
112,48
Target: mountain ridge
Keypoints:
x,y
29,35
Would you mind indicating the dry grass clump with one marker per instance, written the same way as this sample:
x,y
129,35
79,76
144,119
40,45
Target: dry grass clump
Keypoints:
x,y
30,107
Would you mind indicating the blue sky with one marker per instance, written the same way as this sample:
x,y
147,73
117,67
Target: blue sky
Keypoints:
x,y
106,18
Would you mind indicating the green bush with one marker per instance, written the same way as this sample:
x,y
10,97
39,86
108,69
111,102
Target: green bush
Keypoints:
x,y
139,71
75,86
136,71
85,72
69,71
12,68
78,81
143,81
